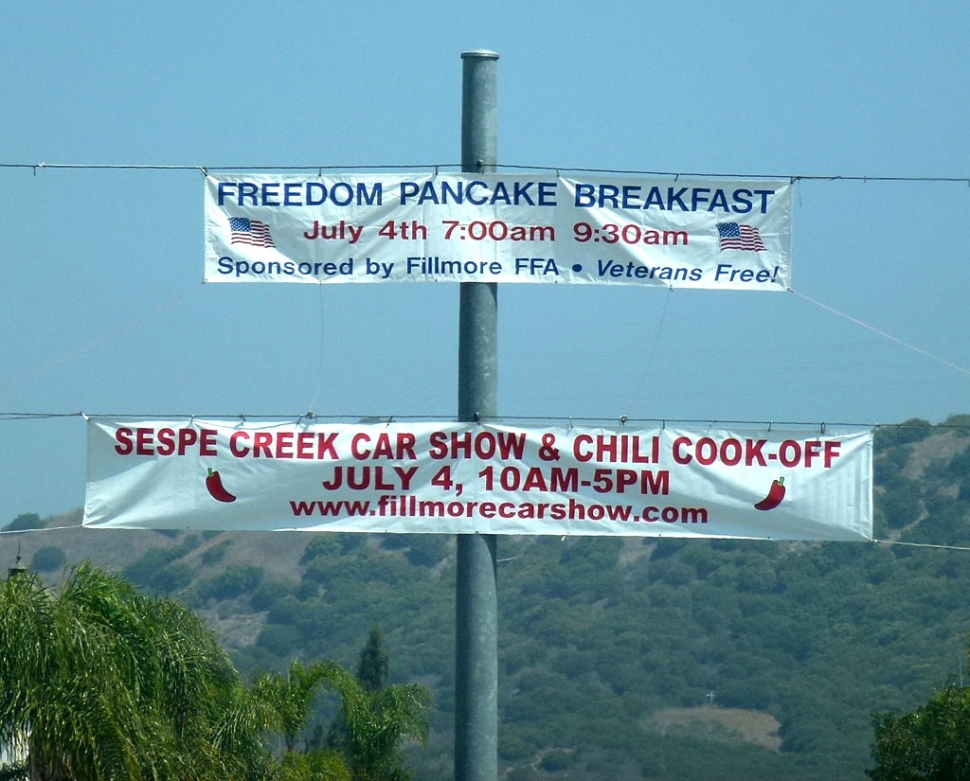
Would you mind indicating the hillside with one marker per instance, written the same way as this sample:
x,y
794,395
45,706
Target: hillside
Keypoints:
x,y
631,658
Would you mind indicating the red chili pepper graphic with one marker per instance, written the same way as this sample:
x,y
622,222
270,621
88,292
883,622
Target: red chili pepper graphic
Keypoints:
x,y
775,494
214,483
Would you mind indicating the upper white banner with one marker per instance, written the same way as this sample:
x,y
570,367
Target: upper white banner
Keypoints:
x,y
462,478
716,235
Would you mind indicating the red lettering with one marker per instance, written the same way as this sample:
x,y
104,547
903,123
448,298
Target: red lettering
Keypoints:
x,y
123,438
812,449
166,442
187,437
325,446
304,444
578,454
262,444
207,447
356,451
790,452
405,446
239,451
284,444
625,477
752,452
706,451
731,452
143,437
439,448
383,447
831,451
682,458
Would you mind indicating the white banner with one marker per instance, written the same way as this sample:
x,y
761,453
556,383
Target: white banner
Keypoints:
x,y
718,235
465,478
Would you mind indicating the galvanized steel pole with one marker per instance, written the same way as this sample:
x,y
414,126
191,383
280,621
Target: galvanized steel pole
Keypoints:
x,y
476,602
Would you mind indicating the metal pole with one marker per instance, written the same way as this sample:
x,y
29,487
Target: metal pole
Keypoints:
x,y
476,602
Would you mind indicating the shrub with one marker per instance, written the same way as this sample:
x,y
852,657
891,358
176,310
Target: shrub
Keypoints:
x,y
24,522
216,552
267,593
232,583
48,559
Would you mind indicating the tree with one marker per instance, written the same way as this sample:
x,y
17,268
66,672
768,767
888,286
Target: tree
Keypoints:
x,y
375,718
377,722
101,682
374,663
932,743
48,558
288,701
289,697
24,522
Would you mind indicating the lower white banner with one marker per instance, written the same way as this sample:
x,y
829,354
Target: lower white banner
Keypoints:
x,y
462,478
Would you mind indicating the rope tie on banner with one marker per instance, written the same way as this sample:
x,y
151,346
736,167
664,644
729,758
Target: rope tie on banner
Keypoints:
x,y
320,350
653,350
922,545
890,337
102,339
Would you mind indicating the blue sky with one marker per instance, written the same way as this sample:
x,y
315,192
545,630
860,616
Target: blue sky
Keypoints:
x,y
103,310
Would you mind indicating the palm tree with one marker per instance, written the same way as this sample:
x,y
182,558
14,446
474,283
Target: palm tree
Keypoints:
x,y
289,698
376,722
367,733
102,683
288,701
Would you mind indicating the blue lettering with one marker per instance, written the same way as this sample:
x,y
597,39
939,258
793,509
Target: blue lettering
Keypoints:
x,y
408,189
585,195
447,191
609,192
346,194
468,193
501,194
764,199
270,192
247,190
224,191
376,195
547,194
719,201
291,194
698,195
521,193
742,201
428,193
631,196
654,199
676,196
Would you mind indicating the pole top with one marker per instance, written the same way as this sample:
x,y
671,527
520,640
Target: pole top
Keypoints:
x,y
480,54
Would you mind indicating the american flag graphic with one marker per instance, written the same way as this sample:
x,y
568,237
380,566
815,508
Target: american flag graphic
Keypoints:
x,y
743,237
246,231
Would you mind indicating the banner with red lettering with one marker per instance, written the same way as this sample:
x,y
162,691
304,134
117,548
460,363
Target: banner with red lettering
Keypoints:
x,y
460,478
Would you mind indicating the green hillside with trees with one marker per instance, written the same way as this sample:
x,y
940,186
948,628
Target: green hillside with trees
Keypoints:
x,y
619,658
